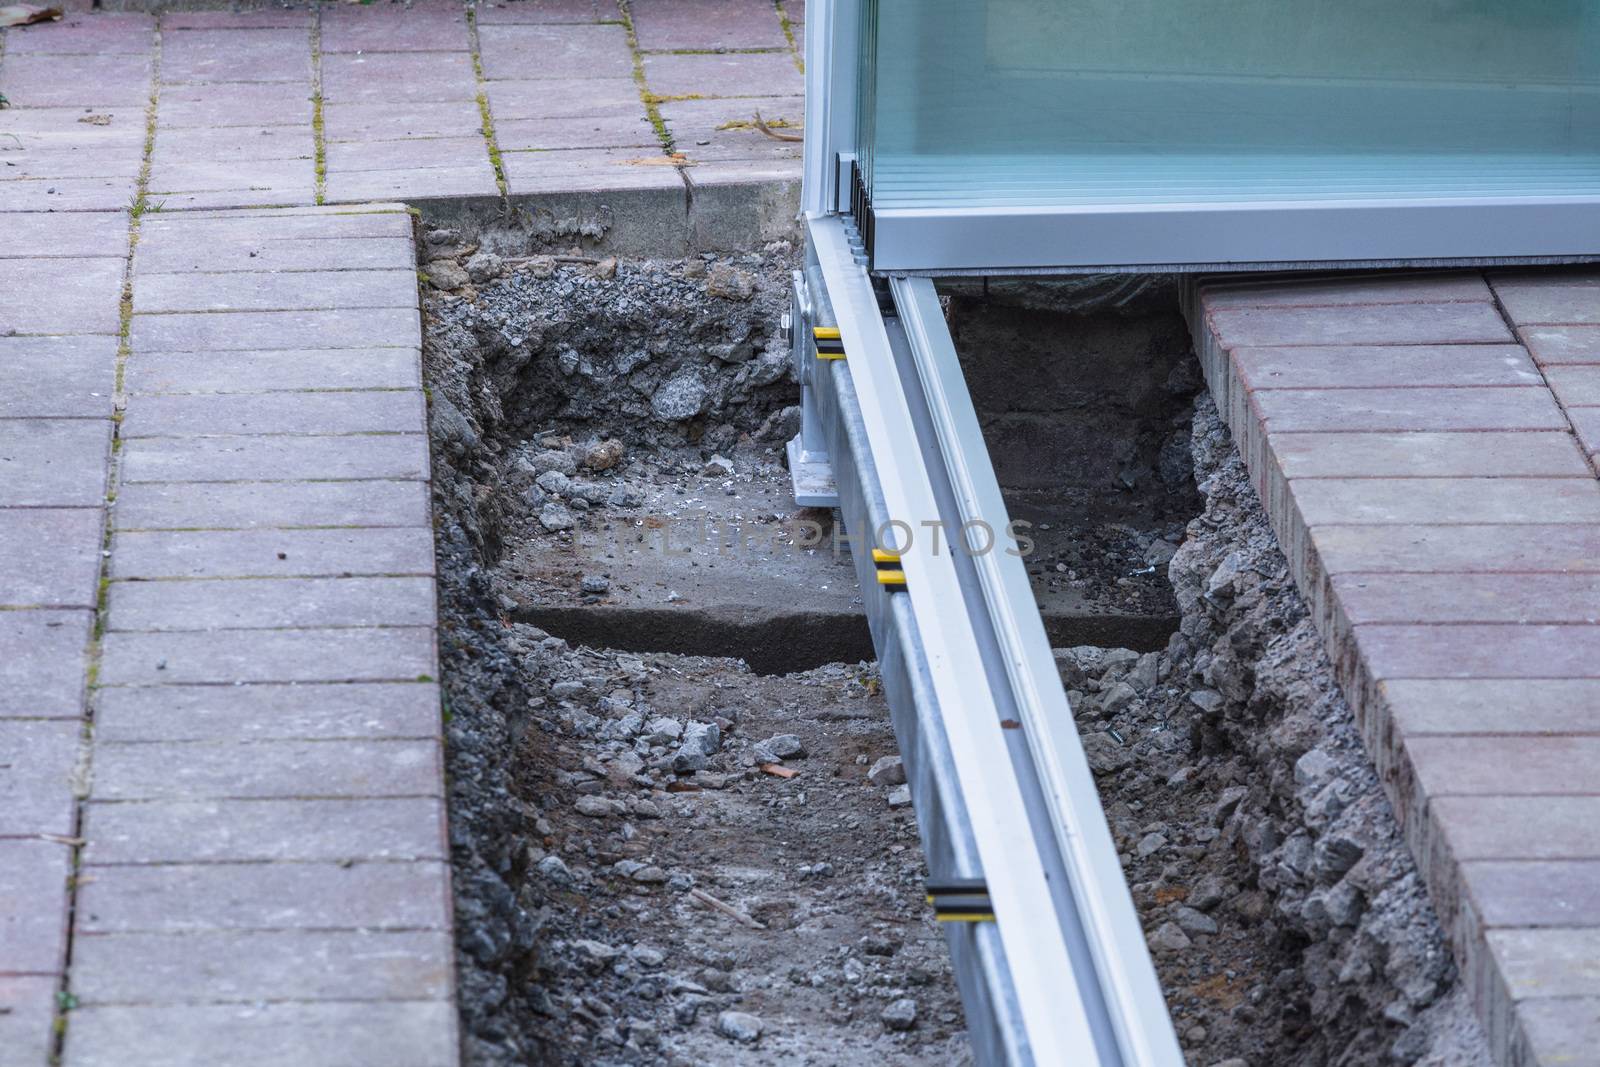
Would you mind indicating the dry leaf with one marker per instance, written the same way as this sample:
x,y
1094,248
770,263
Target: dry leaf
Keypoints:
x,y
677,159
27,14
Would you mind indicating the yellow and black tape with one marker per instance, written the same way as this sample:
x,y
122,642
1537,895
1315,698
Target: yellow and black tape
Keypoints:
x,y
828,342
889,569
964,900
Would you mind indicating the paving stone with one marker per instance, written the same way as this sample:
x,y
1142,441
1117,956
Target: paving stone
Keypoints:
x,y
340,328
1507,764
185,898
33,939
216,831
476,180
200,174
1534,304
295,254
52,557
54,462
1364,598
226,459
262,505
238,656
391,219
213,106
1488,706
383,122
1547,962
30,81
404,30
588,169
25,235
255,229
234,144
1347,410
279,553
286,291
732,74
268,769
399,77
537,11
1552,345
548,51
260,372
1579,274
287,194
1345,291
267,1034
268,712
1564,1030
1513,827
255,966
1557,549
354,156
251,603
69,194
1321,367
1326,501
361,411
46,127
1575,385
630,128
724,129
1586,424
103,33
1407,324
57,377
663,25
27,1017
1534,893
71,161
254,19
1430,455
782,176
1479,651
76,296
514,100
36,778
228,55
42,663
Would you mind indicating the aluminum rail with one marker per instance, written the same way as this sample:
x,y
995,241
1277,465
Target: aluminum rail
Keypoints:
x,y
1001,786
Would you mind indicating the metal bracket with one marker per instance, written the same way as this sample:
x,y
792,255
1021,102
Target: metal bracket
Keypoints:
x,y
810,471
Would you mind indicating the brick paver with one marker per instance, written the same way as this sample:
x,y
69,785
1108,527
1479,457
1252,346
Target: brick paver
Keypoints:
x,y
1423,444
221,682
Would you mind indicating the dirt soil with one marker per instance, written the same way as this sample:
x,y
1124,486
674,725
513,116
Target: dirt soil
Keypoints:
x,y
671,859
631,886
1287,919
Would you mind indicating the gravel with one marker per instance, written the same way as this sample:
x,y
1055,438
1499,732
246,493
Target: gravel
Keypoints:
x,y
1285,914
599,797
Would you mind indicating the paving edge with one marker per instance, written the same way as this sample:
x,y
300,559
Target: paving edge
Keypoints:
x,y
1486,985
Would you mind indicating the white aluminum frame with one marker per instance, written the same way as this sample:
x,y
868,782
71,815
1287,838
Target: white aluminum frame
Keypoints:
x,y
1226,235
1104,912
1084,987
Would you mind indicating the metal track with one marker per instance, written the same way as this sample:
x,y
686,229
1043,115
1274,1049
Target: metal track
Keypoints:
x,y
1002,791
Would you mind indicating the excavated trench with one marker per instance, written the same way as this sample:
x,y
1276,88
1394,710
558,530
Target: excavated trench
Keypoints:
x,y
678,829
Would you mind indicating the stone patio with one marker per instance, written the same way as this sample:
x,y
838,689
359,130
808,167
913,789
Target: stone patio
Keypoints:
x,y
221,795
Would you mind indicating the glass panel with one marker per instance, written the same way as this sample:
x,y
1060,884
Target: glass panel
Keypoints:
x,y
1056,102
